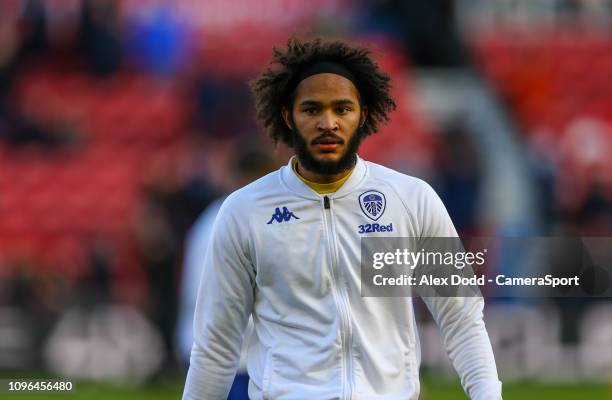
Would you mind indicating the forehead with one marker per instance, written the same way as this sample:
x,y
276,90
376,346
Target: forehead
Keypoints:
x,y
325,87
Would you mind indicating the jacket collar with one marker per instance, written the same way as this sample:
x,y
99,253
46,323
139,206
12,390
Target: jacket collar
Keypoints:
x,y
295,184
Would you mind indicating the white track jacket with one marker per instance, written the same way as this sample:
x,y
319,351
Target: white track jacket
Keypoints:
x,y
291,258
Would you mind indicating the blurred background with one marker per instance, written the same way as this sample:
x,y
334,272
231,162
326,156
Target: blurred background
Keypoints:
x,y
122,122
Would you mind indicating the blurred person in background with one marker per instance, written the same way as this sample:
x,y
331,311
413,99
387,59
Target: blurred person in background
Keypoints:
x,y
460,177
100,37
314,335
218,100
426,29
158,42
171,204
251,163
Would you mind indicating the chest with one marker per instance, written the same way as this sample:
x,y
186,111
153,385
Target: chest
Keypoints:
x,y
300,239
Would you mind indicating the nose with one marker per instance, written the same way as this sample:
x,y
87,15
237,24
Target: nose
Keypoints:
x,y
327,122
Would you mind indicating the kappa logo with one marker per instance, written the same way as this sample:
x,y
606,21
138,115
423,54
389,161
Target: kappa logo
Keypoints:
x,y
373,204
282,216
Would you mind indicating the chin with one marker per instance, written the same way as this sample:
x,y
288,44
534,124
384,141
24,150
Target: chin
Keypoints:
x,y
329,158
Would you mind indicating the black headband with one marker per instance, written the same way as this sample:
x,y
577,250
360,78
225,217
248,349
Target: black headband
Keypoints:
x,y
321,67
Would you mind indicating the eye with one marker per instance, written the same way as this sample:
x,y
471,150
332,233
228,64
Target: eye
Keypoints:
x,y
342,110
310,111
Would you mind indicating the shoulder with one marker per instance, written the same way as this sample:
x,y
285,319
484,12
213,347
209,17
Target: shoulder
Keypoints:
x,y
240,204
419,198
248,194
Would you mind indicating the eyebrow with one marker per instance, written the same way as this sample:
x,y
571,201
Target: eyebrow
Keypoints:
x,y
335,102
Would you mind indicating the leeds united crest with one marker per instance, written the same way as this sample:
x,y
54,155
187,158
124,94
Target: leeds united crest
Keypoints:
x,y
372,204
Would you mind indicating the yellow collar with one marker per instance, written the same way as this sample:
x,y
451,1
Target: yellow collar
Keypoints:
x,y
321,188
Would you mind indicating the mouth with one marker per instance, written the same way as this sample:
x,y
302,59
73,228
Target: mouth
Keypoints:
x,y
327,144
327,147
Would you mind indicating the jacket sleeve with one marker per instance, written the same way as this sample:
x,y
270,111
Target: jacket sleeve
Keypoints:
x,y
223,307
460,319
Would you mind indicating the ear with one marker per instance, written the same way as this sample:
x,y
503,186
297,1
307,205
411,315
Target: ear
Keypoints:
x,y
287,117
364,116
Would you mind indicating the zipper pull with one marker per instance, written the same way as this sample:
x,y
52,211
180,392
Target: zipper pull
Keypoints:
x,y
326,202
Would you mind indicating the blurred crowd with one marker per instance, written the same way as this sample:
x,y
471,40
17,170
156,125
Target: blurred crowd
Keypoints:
x,y
121,121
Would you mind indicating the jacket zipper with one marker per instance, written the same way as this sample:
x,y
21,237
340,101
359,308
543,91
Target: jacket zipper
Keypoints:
x,y
342,304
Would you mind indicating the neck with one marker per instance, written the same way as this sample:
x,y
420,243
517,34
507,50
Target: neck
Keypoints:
x,y
321,178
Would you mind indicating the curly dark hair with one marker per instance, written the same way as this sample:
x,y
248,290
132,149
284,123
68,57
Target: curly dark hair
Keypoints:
x,y
272,87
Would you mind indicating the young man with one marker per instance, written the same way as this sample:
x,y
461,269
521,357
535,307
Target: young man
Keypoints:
x,y
286,249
